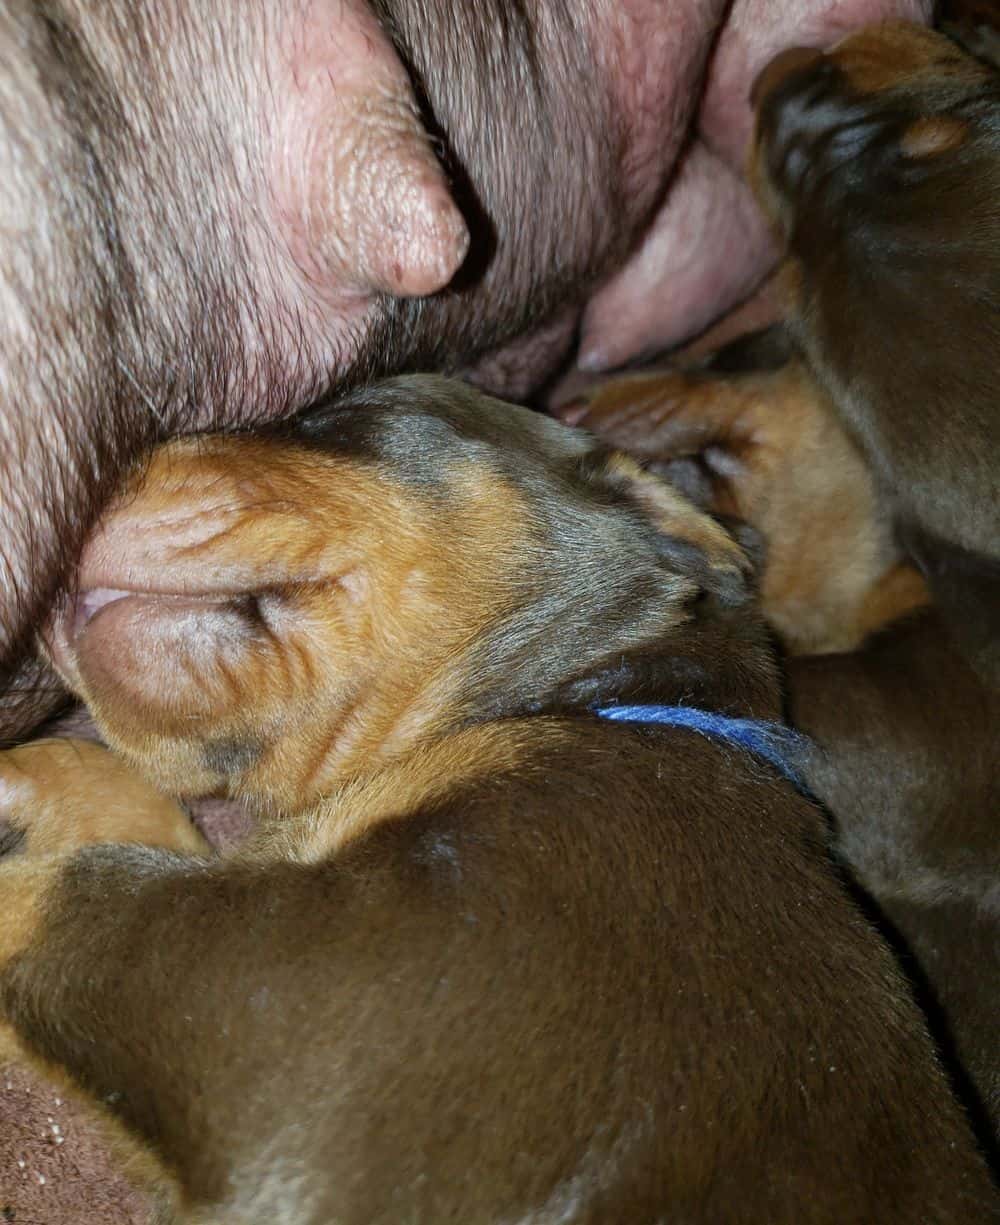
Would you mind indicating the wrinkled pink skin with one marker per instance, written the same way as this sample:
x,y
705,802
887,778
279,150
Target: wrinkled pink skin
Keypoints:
x,y
343,206
708,247
365,207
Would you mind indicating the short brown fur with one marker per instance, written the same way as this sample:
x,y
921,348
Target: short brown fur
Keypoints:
x,y
779,460
879,164
516,963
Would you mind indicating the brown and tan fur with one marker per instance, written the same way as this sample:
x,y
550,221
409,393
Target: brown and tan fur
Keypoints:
x,y
777,458
489,958
898,322
892,274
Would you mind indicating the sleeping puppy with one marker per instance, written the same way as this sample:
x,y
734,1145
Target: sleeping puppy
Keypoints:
x,y
879,163
492,956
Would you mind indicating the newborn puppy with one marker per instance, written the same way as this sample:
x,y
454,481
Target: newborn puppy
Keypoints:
x,y
879,163
491,957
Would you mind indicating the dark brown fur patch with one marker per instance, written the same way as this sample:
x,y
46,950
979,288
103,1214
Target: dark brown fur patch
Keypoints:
x,y
12,838
896,251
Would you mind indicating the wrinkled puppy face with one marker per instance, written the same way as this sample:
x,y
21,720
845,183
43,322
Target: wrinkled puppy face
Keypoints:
x,y
269,615
893,107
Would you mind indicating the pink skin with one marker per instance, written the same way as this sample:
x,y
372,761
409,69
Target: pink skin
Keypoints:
x,y
707,248
364,205
276,162
357,188
362,201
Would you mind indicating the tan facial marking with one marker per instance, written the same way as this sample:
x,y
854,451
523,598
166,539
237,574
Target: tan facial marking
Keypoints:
x,y
933,135
296,612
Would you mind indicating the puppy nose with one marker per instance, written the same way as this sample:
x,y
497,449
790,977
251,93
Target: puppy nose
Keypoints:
x,y
784,64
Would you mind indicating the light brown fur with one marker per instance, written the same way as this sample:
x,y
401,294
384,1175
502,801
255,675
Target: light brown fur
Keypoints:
x,y
779,460
352,594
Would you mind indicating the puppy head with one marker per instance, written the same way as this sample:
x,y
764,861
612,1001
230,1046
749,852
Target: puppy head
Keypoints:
x,y
269,615
839,134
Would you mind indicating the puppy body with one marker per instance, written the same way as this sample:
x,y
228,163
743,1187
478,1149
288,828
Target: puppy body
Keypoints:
x,y
879,163
492,1006
898,318
510,962
905,760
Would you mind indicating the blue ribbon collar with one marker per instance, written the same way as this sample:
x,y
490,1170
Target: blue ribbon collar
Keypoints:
x,y
774,743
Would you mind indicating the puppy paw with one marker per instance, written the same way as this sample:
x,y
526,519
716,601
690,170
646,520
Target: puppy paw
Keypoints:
x,y
977,37
59,795
660,415
774,456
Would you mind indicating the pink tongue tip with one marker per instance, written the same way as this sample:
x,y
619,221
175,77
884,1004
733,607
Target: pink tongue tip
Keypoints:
x,y
89,604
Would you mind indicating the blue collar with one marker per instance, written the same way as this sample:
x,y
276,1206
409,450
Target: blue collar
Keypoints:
x,y
774,743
